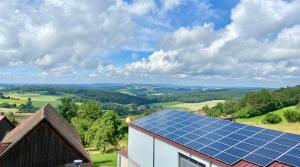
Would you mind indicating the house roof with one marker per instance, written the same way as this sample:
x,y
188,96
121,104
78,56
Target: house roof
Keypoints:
x,y
48,114
221,141
4,118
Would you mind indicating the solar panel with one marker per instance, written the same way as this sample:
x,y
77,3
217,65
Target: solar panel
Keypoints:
x,y
291,160
227,158
268,153
224,140
295,152
209,151
257,159
237,152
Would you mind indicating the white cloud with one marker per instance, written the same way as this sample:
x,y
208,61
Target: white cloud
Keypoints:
x,y
261,43
170,4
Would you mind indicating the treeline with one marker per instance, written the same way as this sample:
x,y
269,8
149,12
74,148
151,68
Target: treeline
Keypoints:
x,y
200,96
129,109
86,94
257,103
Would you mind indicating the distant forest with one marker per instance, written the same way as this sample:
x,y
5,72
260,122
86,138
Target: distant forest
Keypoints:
x,y
106,96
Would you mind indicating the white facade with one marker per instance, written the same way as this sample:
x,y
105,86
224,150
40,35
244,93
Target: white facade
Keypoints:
x,y
146,151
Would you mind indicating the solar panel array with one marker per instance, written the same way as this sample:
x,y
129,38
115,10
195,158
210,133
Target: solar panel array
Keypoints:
x,y
224,140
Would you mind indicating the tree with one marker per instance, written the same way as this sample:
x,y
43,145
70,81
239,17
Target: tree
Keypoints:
x,y
67,108
105,131
82,125
292,115
90,110
11,117
29,102
259,102
1,95
272,118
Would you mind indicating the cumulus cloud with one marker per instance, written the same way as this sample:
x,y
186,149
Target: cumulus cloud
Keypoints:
x,y
261,43
54,34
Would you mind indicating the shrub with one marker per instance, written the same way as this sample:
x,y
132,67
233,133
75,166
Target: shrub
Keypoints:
x,y
292,115
272,118
247,113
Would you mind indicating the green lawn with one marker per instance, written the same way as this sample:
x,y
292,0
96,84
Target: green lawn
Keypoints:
x,y
104,159
189,106
283,126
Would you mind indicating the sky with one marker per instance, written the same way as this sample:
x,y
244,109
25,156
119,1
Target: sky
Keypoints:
x,y
180,42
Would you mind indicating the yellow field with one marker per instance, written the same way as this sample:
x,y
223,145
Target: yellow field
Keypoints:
x,y
190,106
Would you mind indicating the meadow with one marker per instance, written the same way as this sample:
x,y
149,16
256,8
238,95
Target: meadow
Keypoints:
x,y
104,159
282,126
38,100
189,106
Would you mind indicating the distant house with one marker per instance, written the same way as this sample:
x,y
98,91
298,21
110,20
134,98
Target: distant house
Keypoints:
x,y
5,126
173,138
45,139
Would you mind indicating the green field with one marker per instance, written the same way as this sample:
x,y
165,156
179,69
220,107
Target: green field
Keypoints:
x,y
283,126
189,106
38,100
104,159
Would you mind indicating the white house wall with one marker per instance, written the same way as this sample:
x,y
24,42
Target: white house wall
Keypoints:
x,y
140,150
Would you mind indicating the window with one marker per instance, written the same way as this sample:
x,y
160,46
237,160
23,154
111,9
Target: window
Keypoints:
x,y
185,161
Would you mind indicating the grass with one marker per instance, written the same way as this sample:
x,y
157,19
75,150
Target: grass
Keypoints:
x,y
282,126
104,159
189,106
38,100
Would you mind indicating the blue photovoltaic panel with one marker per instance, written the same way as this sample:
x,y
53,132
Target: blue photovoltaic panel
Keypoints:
x,y
209,151
295,152
287,142
227,158
257,159
267,153
224,140
237,152
291,160
277,147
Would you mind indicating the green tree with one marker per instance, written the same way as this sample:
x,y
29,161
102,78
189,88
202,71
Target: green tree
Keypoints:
x,y
82,125
11,117
259,102
105,131
90,110
68,108
272,118
29,102
292,115
1,95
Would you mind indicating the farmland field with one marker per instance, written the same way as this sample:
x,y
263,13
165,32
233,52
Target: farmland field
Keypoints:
x,y
189,106
283,126
38,100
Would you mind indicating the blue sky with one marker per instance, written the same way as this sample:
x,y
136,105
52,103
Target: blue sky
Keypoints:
x,y
184,42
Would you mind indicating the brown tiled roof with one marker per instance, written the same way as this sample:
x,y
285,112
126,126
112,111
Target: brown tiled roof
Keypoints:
x,y
243,163
278,164
49,114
